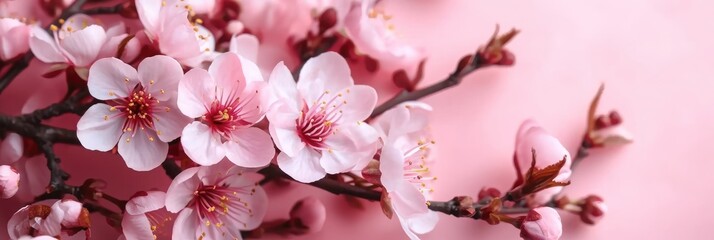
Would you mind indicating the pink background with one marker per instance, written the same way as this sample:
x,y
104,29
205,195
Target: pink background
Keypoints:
x,y
653,56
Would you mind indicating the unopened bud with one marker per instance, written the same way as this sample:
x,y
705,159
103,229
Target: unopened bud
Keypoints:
x,y
542,223
308,216
9,180
593,209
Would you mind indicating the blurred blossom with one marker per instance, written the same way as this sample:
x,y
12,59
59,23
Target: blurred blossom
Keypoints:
x,y
37,238
139,220
592,209
140,113
48,218
167,26
550,151
405,163
318,122
226,103
373,35
215,203
11,148
605,130
310,215
542,223
14,38
9,181
79,42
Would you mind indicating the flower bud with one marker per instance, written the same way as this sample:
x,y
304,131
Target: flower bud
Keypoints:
x,y
9,180
593,208
308,215
541,223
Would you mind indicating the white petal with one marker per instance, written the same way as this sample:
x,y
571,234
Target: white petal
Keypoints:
x,y
143,151
250,147
303,167
100,128
201,144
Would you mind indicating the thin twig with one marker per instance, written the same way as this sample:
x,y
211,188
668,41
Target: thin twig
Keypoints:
x,y
452,80
329,185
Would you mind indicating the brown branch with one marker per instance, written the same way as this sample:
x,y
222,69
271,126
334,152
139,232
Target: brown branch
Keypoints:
x,y
452,80
328,184
105,10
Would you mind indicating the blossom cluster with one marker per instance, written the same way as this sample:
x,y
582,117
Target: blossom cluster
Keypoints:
x,y
226,89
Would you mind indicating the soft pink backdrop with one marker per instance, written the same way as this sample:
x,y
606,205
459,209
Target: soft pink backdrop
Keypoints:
x,y
653,56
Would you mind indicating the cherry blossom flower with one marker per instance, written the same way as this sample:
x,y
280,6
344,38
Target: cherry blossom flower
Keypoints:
x,y
140,113
374,36
542,223
226,101
140,220
317,123
14,38
531,136
167,26
215,203
79,42
404,165
9,181
309,214
49,217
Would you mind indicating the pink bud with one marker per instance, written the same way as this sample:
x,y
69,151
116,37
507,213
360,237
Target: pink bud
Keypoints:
x,y
542,223
593,209
309,214
72,212
9,180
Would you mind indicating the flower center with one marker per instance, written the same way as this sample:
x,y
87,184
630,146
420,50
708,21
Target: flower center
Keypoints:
x,y
225,118
318,121
416,167
217,203
138,109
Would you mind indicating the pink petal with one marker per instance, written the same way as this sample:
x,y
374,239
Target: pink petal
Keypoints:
x,y
303,167
203,146
359,101
116,30
83,46
11,148
283,87
423,223
228,73
160,76
407,200
14,42
18,225
72,211
146,202
548,151
169,122
181,190
187,225
136,227
143,151
361,134
245,45
337,161
257,202
196,92
51,225
44,47
100,128
250,147
108,79
110,48
524,128
178,39
327,72
287,140
391,164
149,11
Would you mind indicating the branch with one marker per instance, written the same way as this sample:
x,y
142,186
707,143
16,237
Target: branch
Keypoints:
x,y
328,184
452,80
69,105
